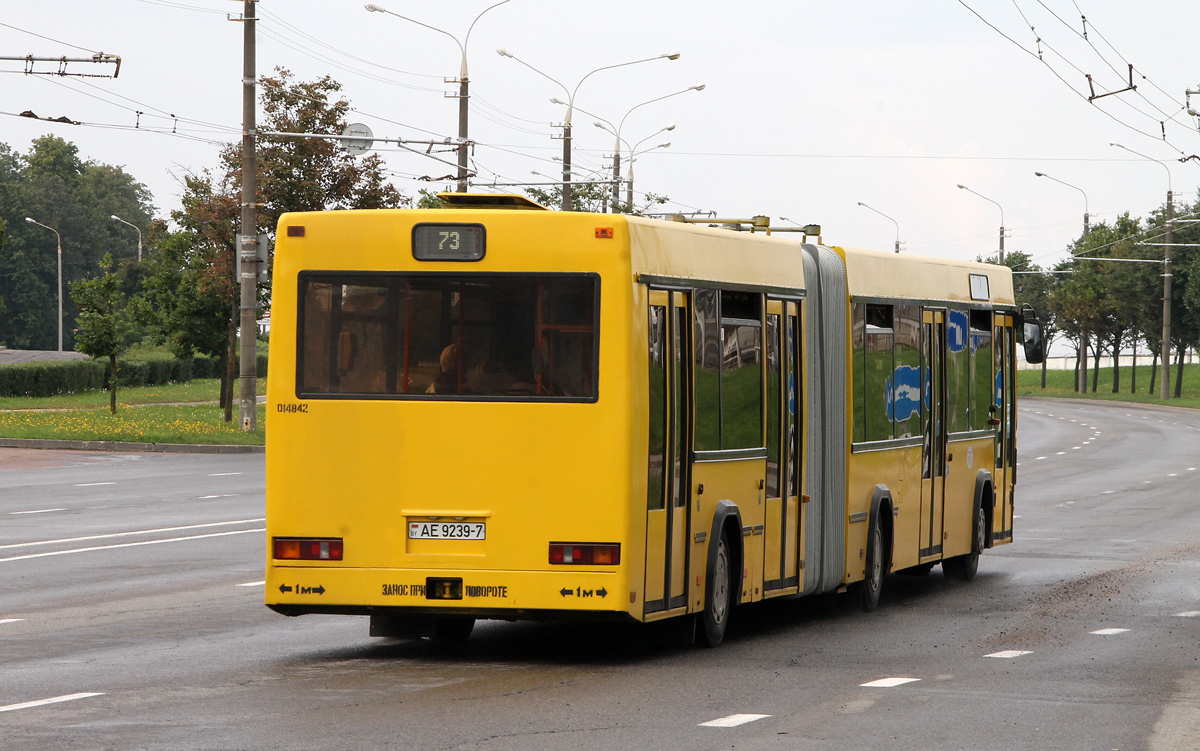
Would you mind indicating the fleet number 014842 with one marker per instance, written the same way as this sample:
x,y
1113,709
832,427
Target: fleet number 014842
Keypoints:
x,y
446,531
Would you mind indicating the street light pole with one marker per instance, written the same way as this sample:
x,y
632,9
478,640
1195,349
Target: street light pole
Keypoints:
x,y
139,231
60,296
885,216
567,203
963,187
621,125
1086,216
633,155
1164,387
463,82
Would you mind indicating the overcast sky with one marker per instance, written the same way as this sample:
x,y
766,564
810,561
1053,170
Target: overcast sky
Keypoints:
x,y
809,107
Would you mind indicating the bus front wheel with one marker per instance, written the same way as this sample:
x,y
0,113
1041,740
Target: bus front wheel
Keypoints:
x,y
718,595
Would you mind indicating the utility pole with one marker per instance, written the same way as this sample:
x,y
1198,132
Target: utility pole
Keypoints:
x,y
1165,392
248,237
566,161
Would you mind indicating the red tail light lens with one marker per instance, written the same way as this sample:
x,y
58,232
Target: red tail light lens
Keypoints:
x,y
585,553
308,549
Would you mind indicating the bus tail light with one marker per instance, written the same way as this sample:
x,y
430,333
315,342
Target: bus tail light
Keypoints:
x,y
585,553
308,549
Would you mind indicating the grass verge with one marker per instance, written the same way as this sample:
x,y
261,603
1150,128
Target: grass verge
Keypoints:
x,y
199,390
1060,383
161,423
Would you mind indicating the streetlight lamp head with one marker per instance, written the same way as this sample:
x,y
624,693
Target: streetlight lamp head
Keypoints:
x,y
698,87
30,220
670,55
670,127
962,186
666,145
556,100
860,203
114,216
1039,174
374,8
503,52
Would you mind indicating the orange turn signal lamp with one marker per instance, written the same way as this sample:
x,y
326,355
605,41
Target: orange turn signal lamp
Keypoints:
x,y
585,553
308,549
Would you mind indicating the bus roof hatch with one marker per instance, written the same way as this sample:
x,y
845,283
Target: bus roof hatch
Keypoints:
x,y
490,201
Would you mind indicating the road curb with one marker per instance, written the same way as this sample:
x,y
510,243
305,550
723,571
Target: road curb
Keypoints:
x,y
174,448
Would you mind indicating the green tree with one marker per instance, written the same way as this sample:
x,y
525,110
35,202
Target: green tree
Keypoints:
x,y
54,185
592,196
103,328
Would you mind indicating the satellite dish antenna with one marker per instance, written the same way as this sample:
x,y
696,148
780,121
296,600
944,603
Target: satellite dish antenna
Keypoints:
x,y
357,139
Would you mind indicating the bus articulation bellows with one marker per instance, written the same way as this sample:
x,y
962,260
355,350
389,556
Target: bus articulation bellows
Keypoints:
x,y
491,410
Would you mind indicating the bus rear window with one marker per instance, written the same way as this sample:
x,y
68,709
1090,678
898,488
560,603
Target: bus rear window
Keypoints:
x,y
439,336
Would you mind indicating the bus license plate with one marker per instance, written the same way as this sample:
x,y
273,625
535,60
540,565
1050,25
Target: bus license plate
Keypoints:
x,y
446,531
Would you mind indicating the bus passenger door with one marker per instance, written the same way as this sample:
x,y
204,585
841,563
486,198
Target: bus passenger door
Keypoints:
x,y
783,519
666,509
1002,522
933,413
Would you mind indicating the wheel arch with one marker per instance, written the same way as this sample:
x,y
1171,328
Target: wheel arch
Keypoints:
x,y
726,518
883,509
985,498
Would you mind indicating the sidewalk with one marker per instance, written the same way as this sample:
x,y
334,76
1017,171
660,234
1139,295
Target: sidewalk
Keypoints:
x,y
176,448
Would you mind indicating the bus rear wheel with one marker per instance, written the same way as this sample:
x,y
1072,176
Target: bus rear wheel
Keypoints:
x,y
871,586
964,567
718,600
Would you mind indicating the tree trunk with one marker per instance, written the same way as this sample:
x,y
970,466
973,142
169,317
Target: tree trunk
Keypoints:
x,y
1116,350
1153,373
1133,371
231,363
1044,359
112,384
1081,386
1179,370
1096,366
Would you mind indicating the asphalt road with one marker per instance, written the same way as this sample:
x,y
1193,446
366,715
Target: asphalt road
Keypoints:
x,y
131,618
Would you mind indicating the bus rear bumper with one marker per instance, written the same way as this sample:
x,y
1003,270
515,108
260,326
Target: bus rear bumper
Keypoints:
x,y
507,595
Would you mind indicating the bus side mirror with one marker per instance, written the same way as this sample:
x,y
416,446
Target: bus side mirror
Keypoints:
x,y
1032,339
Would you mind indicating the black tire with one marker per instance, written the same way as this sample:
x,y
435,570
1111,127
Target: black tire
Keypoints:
x,y
453,629
718,595
871,586
964,567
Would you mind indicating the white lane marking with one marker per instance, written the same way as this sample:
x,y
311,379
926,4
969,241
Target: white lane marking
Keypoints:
x,y
1173,474
1074,448
1060,453
130,544
1109,631
1008,654
1109,492
732,720
11,620
1188,614
223,474
1191,469
889,682
1039,458
44,702
127,534
92,484
253,584
226,495
39,511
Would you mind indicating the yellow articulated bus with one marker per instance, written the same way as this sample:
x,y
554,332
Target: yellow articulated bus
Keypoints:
x,y
495,411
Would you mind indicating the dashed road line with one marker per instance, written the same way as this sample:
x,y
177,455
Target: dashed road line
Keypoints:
x,y
44,702
92,484
223,474
11,620
130,544
128,534
38,511
1008,654
733,720
253,584
889,682
1109,631
225,495
1188,614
